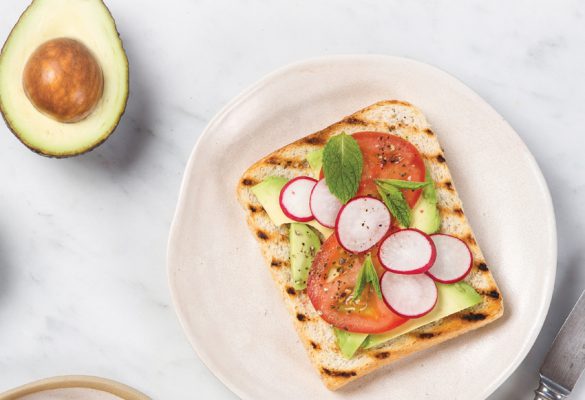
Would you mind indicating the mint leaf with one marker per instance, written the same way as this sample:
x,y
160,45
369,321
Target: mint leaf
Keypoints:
x,y
391,193
360,283
366,275
342,166
373,276
396,203
397,183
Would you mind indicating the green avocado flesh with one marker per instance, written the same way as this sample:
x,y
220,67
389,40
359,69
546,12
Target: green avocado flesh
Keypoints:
x,y
452,299
268,194
349,342
304,244
425,214
315,160
90,23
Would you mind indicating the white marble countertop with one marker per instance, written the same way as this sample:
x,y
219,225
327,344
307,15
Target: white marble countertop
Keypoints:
x,y
83,286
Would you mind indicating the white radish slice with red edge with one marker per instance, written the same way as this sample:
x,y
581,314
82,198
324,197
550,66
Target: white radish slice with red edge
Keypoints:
x,y
454,259
410,296
408,251
295,196
362,223
324,205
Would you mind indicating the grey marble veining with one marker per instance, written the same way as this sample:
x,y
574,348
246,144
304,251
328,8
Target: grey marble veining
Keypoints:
x,y
83,286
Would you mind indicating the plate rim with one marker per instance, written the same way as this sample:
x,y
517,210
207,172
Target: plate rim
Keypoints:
x,y
291,68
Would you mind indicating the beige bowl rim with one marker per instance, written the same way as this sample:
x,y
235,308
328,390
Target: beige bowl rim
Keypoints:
x,y
75,381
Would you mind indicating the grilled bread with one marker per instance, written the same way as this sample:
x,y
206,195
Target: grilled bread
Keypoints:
x,y
405,120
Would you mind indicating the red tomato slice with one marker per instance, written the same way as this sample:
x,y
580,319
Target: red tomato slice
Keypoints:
x,y
388,156
330,288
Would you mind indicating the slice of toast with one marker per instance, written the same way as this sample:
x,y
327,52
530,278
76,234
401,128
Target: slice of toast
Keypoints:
x,y
398,118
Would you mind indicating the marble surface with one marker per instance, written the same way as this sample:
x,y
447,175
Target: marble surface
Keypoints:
x,y
83,286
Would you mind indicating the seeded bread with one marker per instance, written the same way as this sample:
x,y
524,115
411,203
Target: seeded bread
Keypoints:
x,y
405,120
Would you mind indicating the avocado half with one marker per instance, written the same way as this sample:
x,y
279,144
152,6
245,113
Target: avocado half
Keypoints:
x,y
90,23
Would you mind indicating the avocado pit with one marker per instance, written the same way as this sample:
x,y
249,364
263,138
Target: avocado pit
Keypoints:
x,y
63,80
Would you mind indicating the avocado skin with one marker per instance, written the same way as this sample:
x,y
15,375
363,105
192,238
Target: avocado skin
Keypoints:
x,y
116,121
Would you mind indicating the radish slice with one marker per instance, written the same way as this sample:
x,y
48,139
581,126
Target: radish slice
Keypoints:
x,y
454,259
324,205
294,198
362,223
409,296
408,251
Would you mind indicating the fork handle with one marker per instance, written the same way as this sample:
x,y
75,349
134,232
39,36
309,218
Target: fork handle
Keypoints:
x,y
548,390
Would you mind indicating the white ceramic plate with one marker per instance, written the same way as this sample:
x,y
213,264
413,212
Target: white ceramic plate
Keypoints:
x,y
222,291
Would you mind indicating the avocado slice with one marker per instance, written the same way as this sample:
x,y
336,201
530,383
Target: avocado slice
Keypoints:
x,y
315,160
304,244
425,214
61,28
452,299
268,194
349,342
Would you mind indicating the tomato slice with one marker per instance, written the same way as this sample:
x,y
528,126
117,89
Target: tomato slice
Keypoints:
x,y
330,288
388,156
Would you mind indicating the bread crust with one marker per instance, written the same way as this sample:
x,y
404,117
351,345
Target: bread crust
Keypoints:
x,y
405,120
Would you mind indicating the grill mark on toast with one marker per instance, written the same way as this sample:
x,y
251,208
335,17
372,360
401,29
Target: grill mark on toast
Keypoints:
x,y
291,291
429,132
295,163
427,335
262,235
446,211
316,140
276,263
315,346
483,267
351,120
382,355
446,184
273,160
302,317
473,317
248,182
494,294
254,209
440,158
338,374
